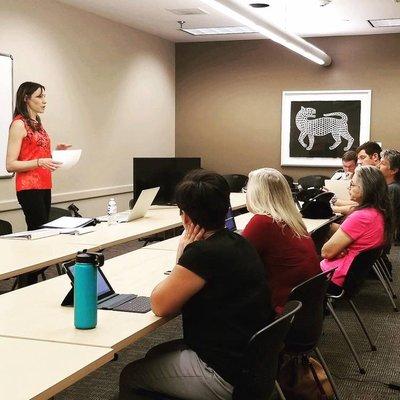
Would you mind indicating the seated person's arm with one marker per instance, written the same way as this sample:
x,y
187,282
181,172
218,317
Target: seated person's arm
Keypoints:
x,y
336,246
172,293
344,210
341,202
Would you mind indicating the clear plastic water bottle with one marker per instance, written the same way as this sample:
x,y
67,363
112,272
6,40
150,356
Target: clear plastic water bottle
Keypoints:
x,y
112,211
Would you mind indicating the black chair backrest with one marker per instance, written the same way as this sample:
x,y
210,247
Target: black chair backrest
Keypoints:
x,y
236,182
260,361
56,212
290,181
316,181
319,236
359,270
5,227
307,326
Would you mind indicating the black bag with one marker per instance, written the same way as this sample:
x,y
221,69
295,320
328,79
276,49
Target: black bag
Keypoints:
x,y
318,207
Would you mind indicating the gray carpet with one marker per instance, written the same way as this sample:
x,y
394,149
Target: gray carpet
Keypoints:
x,y
382,366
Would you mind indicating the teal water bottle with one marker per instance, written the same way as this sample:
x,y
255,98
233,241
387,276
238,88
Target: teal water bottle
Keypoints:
x,y
85,289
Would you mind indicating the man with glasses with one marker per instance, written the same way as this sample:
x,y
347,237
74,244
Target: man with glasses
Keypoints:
x,y
349,163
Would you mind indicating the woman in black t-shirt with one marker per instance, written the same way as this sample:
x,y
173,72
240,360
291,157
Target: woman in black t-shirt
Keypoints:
x,y
219,285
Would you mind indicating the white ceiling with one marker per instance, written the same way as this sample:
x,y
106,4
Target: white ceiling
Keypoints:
x,y
303,17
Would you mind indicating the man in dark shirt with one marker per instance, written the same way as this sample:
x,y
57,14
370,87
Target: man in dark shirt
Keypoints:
x,y
219,285
390,168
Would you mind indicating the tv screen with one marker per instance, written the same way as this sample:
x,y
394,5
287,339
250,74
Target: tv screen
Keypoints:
x,y
149,172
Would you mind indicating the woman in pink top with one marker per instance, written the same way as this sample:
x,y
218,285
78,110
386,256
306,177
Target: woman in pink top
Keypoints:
x,y
366,227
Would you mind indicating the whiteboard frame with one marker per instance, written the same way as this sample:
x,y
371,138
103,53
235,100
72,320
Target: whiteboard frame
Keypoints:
x,y
11,174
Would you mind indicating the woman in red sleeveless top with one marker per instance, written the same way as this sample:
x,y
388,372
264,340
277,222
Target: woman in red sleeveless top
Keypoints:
x,y
29,155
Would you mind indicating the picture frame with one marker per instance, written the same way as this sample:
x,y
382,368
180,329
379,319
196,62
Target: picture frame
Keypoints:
x,y
319,126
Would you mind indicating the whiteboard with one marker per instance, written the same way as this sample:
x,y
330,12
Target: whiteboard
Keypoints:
x,y
6,108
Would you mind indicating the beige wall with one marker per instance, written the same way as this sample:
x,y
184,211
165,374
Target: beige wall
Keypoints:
x,y
228,95
110,91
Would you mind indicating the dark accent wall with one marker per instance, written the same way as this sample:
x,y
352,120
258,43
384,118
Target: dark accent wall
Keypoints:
x,y
229,95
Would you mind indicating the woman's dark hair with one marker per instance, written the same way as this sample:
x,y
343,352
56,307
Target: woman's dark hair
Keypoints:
x,y
25,91
204,197
375,194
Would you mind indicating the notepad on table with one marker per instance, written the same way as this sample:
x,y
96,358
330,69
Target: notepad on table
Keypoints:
x,y
32,235
68,223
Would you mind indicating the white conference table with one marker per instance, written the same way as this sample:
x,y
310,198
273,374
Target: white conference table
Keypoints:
x,y
32,369
21,256
158,219
18,256
35,312
241,221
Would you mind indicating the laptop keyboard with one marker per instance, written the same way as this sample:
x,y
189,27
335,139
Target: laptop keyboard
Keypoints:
x,y
139,304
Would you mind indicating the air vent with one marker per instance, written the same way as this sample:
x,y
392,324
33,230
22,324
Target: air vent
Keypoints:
x,y
385,23
231,30
187,11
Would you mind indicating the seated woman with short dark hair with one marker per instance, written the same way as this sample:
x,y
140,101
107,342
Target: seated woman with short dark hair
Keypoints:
x,y
278,233
368,226
219,285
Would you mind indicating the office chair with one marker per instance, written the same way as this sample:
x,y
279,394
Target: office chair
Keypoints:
x,y
57,212
316,181
290,181
305,332
5,227
260,361
357,274
236,182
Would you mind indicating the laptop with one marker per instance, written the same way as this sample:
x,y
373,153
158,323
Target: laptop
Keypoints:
x,y
230,223
339,187
141,206
107,299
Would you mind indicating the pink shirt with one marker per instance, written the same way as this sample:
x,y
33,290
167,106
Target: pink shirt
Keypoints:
x,y
366,228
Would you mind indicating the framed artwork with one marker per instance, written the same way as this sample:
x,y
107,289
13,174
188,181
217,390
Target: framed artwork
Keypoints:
x,y
319,126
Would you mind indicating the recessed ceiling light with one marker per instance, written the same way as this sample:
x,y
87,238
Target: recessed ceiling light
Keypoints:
x,y
384,23
228,30
259,5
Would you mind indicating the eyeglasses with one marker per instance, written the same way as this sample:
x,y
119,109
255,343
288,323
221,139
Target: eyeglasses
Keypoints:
x,y
352,184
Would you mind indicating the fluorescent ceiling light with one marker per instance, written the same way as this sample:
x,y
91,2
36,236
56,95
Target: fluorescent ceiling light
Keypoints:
x,y
384,23
293,42
219,31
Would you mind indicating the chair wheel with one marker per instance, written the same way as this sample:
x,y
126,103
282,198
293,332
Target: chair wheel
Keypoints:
x,y
362,371
395,296
396,309
373,348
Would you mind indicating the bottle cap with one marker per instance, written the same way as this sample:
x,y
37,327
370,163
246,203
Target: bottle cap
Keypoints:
x,y
84,257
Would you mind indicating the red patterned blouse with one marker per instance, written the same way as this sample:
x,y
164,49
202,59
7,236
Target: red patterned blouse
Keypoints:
x,y
36,144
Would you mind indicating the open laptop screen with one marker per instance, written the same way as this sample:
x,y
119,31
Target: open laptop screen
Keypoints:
x,y
230,223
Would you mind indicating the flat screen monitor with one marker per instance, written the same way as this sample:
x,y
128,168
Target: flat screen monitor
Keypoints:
x,y
149,172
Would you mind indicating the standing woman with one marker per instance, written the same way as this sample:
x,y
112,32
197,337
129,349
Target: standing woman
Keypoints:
x,y
29,155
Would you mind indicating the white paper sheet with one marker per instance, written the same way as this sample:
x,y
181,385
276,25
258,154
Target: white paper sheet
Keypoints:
x,y
69,158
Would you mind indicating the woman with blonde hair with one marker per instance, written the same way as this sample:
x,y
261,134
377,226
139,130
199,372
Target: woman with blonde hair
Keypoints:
x,y
278,233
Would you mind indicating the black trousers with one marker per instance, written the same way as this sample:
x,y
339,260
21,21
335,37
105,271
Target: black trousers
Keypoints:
x,y
35,204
